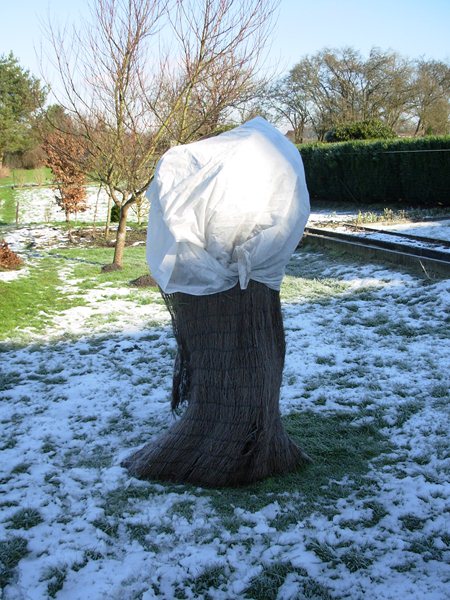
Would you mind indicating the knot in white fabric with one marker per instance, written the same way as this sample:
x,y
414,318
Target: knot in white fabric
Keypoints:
x,y
225,210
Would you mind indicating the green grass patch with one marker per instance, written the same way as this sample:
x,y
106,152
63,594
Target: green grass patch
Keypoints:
x,y
108,526
426,548
18,177
25,518
341,451
185,509
55,577
378,512
412,522
296,288
30,301
355,559
20,468
9,380
7,206
87,263
97,458
11,552
266,585
325,552
407,410
143,535
119,500
213,577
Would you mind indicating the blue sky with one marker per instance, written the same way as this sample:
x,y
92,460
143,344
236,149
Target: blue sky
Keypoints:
x,y
411,27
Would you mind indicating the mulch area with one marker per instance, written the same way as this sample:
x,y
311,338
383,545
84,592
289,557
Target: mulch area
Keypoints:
x,y
88,237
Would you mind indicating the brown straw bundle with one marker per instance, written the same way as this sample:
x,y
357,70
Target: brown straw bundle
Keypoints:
x,y
228,371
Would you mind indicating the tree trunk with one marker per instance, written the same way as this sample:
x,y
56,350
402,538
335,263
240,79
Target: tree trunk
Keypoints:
x,y
229,366
298,133
69,227
121,236
419,125
108,217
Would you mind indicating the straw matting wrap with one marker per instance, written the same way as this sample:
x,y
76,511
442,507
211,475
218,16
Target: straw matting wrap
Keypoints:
x,y
228,370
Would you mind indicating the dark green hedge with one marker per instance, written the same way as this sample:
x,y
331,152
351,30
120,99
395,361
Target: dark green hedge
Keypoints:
x,y
413,171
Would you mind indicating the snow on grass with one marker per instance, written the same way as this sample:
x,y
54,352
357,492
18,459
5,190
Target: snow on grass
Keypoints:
x,y
321,216
435,236
14,274
438,230
365,392
38,205
21,239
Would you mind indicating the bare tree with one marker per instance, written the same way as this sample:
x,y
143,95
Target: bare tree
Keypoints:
x,y
132,99
289,102
338,85
431,102
306,77
386,93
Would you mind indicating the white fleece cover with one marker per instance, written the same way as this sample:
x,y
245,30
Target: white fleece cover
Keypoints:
x,y
226,209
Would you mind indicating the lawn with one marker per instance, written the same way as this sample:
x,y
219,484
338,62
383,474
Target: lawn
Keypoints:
x,y
8,189
18,177
7,206
85,379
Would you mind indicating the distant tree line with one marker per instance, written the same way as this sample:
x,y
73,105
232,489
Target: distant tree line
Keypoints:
x,y
333,95
121,111
128,96
22,96
339,86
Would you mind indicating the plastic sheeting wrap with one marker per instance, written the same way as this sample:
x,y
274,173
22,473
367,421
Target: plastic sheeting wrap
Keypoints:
x,y
226,209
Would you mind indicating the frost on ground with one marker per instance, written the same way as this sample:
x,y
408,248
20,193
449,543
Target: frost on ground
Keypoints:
x,y
318,217
38,205
21,239
438,230
437,237
366,374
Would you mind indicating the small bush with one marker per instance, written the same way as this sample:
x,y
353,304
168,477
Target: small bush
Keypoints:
x,y
32,158
115,214
8,259
371,129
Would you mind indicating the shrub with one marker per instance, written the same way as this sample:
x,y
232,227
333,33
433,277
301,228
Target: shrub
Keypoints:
x,y
371,129
412,171
64,151
32,158
115,214
8,258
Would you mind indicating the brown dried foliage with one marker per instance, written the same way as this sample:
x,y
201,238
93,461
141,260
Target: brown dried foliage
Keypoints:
x,y
64,154
8,259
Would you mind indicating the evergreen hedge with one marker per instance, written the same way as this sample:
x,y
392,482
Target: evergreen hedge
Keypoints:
x,y
413,171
